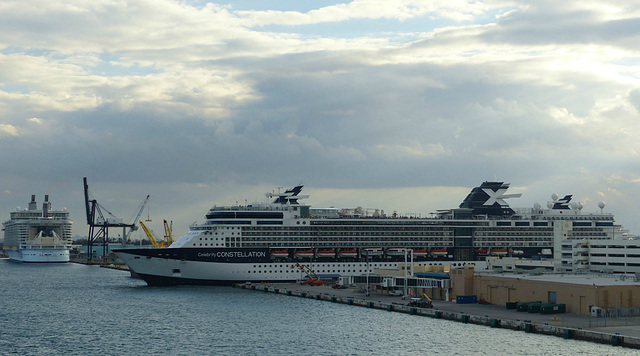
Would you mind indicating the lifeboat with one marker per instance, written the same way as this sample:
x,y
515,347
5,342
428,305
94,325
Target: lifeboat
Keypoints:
x,y
304,253
396,251
372,251
327,253
279,253
439,252
518,252
481,251
499,251
348,253
420,252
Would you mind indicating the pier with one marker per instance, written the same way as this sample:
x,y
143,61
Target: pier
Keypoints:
x,y
566,325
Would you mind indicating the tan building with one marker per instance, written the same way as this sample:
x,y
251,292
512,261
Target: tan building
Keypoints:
x,y
577,292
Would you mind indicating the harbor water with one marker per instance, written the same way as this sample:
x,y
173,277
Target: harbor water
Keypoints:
x,y
75,309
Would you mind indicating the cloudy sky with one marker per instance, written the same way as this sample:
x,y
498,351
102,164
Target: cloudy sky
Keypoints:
x,y
401,105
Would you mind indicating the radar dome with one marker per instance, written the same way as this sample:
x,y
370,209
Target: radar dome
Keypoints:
x,y
550,205
601,205
580,205
574,206
537,206
554,196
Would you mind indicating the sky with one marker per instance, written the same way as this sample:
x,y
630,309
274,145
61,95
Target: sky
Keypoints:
x,y
401,105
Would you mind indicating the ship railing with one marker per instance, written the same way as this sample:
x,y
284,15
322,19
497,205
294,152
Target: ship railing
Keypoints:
x,y
44,247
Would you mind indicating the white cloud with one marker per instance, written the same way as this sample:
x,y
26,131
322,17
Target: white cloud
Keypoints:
x,y
369,9
7,129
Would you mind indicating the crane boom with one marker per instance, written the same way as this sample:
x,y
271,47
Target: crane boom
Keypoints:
x,y
146,200
152,239
314,279
168,237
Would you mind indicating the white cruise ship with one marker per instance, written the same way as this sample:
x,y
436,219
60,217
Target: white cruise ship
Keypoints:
x,y
34,235
269,242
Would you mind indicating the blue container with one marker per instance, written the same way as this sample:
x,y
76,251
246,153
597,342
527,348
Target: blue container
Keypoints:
x,y
466,299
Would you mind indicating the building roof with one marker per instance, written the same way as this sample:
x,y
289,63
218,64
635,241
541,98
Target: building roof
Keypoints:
x,y
568,278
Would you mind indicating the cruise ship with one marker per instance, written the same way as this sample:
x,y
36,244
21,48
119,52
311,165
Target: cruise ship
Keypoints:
x,y
272,241
38,235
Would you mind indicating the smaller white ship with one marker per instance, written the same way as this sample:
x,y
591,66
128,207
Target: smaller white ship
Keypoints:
x,y
33,235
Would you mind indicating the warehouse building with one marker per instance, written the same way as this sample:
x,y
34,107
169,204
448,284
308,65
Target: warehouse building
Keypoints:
x,y
579,292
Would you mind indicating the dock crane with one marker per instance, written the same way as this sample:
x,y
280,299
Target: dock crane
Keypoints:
x,y
168,237
314,279
99,224
135,220
152,239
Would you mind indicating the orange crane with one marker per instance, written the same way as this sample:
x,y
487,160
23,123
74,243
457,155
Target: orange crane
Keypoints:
x,y
314,279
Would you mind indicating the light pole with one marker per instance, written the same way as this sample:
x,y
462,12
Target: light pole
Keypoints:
x,y
366,293
404,292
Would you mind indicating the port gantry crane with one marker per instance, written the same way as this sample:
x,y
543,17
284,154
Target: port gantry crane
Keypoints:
x,y
99,224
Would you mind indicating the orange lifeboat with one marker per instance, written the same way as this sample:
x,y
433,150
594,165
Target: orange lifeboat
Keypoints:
x,y
348,253
439,252
279,253
420,252
304,253
499,251
481,251
327,253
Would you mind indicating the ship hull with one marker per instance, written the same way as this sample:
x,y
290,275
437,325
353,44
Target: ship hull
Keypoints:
x,y
39,255
226,266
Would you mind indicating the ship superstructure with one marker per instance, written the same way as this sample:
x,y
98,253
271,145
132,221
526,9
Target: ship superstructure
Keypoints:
x,y
263,242
38,235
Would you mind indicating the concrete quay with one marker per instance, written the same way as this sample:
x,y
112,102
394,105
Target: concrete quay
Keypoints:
x,y
614,331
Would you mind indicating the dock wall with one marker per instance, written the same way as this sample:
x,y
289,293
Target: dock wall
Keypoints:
x,y
522,325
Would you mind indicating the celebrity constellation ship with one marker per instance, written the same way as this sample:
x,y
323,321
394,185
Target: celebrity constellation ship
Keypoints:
x,y
268,242
33,235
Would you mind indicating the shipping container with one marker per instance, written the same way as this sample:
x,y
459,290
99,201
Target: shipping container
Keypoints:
x,y
466,299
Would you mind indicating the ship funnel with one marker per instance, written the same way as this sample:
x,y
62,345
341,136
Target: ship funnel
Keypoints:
x,y
46,206
33,205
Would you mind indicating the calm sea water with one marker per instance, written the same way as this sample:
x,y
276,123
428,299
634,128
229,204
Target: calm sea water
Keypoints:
x,y
74,309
